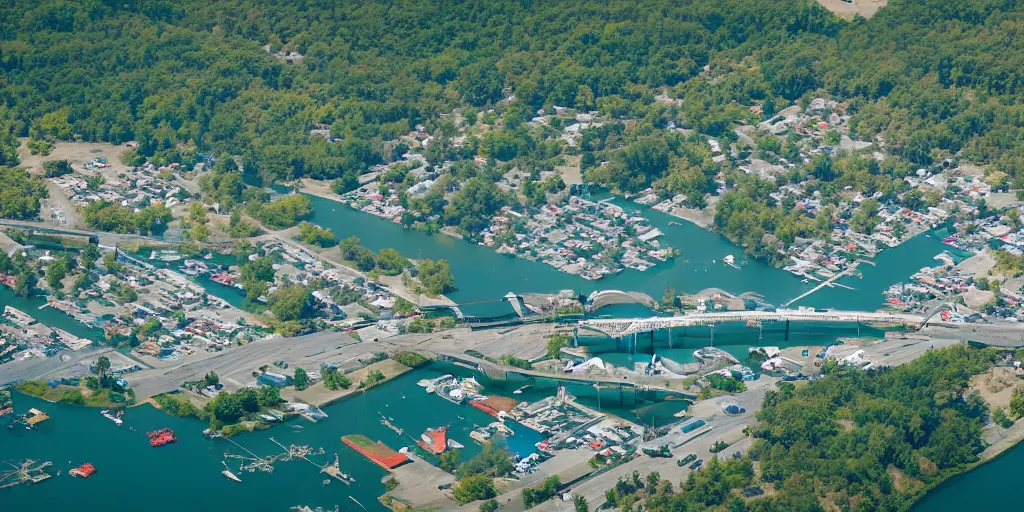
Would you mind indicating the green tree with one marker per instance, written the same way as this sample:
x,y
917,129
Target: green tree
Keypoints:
x,y
449,461
102,367
1017,403
436,276
301,379
579,503
390,262
56,271
89,256
291,302
473,488
555,344
25,283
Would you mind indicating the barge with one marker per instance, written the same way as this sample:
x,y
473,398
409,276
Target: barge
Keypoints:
x,y
377,452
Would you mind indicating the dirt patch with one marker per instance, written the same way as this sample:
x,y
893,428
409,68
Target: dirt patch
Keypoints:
x,y
903,482
996,386
78,153
319,395
570,172
847,425
847,10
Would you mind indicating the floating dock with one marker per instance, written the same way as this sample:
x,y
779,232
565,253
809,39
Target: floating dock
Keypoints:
x,y
28,472
35,417
494,405
377,452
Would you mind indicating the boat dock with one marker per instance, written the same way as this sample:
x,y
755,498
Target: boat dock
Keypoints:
x,y
387,423
29,472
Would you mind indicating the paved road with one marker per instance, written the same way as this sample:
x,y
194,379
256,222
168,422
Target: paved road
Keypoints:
x,y
235,365
724,426
44,368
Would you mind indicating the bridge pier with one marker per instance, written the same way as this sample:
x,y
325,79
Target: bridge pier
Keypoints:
x,y
787,329
670,337
575,337
652,342
712,326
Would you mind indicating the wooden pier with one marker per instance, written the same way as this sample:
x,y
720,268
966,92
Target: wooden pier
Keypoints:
x,y
28,472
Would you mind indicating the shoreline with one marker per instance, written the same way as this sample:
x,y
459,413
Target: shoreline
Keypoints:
x,y
319,189
1003,449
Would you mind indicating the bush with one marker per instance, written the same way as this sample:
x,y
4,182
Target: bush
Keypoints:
x,y
54,168
32,387
718,446
411,359
473,488
72,396
312,234
547,490
516,362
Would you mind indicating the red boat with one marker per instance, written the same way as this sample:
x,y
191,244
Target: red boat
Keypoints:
x,y
161,437
85,470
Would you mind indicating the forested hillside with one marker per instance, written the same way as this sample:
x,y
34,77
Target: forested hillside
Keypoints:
x,y
937,76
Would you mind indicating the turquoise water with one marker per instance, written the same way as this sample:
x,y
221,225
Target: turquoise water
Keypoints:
x,y
128,467
483,275
48,316
992,485
186,475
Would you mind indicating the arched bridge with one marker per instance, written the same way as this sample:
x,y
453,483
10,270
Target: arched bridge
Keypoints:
x,y
621,327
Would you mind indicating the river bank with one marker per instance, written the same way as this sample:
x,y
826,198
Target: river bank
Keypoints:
x,y
484,276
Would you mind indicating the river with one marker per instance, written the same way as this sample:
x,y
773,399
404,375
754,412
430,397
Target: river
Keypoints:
x,y
188,473
990,485
483,275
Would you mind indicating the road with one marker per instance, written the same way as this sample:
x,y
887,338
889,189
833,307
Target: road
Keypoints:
x,y
724,426
621,327
235,365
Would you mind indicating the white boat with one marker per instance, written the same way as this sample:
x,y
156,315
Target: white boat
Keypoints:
x,y
116,419
455,444
231,476
426,383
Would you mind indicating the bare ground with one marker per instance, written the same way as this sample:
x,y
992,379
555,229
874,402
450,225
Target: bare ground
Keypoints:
x,y
570,172
865,8
78,153
996,386
319,395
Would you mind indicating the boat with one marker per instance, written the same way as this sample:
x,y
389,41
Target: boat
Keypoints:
x,y
231,476
730,260
84,471
455,445
161,437
432,385
116,418
452,392
434,440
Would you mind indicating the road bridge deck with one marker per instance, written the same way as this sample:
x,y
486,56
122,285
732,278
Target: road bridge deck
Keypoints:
x,y
620,327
